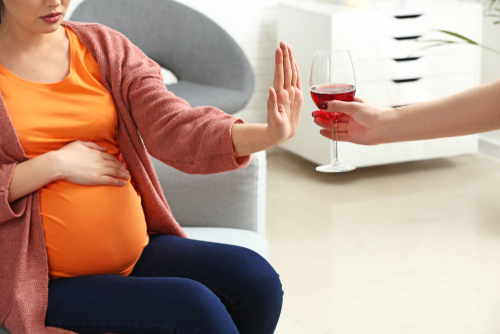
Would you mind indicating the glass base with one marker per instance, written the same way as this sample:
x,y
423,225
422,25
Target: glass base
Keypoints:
x,y
335,168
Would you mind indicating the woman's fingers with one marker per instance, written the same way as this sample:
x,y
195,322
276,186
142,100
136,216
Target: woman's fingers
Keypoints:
x,y
299,80
358,99
286,72
272,101
326,133
327,124
287,67
342,118
279,77
342,126
348,108
323,122
293,65
107,156
95,146
341,136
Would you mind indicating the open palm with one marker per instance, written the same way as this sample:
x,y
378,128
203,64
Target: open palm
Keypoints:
x,y
284,104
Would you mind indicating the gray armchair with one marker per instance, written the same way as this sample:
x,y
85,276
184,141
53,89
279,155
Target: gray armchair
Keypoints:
x,y
211,68
227,208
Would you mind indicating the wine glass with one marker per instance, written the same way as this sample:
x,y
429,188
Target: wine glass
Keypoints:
x,y
332,78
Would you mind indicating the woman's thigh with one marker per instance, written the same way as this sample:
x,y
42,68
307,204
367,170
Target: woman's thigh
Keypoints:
x,y
118,304
244,281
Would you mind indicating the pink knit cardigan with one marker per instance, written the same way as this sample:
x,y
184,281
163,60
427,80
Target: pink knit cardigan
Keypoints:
x,y
193,140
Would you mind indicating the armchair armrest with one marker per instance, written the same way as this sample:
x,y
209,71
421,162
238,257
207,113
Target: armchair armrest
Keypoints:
x,y
233,199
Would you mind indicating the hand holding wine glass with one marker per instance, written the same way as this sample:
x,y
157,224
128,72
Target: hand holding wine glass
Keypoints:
x,y
332,78
358,123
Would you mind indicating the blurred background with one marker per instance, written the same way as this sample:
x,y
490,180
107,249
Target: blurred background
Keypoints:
x,y
410,241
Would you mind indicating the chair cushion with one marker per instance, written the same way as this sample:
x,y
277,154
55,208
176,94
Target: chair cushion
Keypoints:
x,y
234,199
231,236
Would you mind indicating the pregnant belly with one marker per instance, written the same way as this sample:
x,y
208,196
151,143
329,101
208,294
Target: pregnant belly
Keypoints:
x,y
92,230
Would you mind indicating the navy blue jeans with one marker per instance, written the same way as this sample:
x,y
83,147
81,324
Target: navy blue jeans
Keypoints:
x,y
178,286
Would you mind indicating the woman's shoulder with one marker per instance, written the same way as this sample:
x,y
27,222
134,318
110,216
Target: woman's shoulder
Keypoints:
x,y
96,32
114,48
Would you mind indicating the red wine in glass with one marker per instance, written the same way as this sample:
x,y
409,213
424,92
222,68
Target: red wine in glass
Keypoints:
x,y
332,78
330,92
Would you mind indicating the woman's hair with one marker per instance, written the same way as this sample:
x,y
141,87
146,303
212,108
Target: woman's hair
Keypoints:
x,y
1,10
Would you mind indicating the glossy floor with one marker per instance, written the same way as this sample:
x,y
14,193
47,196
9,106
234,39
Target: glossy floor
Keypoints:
x,y
404,248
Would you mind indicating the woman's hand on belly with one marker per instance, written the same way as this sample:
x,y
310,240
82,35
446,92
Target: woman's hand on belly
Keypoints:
x,y
87,163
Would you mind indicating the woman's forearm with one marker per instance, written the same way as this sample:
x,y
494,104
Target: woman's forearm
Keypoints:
x,y
251,138
472,111
32,175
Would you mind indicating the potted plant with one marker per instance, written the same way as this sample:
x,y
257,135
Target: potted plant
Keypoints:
x,y
492,9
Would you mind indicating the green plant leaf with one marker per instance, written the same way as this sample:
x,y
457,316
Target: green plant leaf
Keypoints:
x,y
437,43
470,41
493,3
440,42
489,5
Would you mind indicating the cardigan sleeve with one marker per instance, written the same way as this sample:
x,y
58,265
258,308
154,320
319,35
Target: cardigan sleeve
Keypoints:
x,y
192,140
8,210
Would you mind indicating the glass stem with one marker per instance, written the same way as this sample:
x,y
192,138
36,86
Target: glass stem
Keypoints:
x,y
335,157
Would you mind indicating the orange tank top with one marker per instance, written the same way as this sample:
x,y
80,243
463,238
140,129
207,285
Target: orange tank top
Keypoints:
x,y
89,230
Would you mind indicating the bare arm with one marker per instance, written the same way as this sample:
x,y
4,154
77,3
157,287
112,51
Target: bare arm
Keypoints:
x,y
78,162
251,138
472,111
32,175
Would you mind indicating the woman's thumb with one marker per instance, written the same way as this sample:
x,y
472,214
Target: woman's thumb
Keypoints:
x,y
272,101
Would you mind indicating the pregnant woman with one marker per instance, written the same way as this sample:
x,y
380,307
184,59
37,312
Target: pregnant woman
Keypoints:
x,y
87,241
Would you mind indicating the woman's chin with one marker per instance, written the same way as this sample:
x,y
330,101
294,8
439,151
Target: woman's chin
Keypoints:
x,y
43,27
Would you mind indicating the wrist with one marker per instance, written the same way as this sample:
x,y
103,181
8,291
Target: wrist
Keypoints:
x,y
55,167
382,127
269,137
251,138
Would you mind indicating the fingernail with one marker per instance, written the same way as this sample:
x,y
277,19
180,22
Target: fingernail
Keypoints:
x,y
123,183
323,105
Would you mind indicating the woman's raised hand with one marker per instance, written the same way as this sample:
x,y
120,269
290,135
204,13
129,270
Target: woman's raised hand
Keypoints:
x,y
284,104
360,123
88,163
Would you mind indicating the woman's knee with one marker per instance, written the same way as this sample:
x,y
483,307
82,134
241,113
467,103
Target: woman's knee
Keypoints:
x,y
152,304
259,281
202,312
